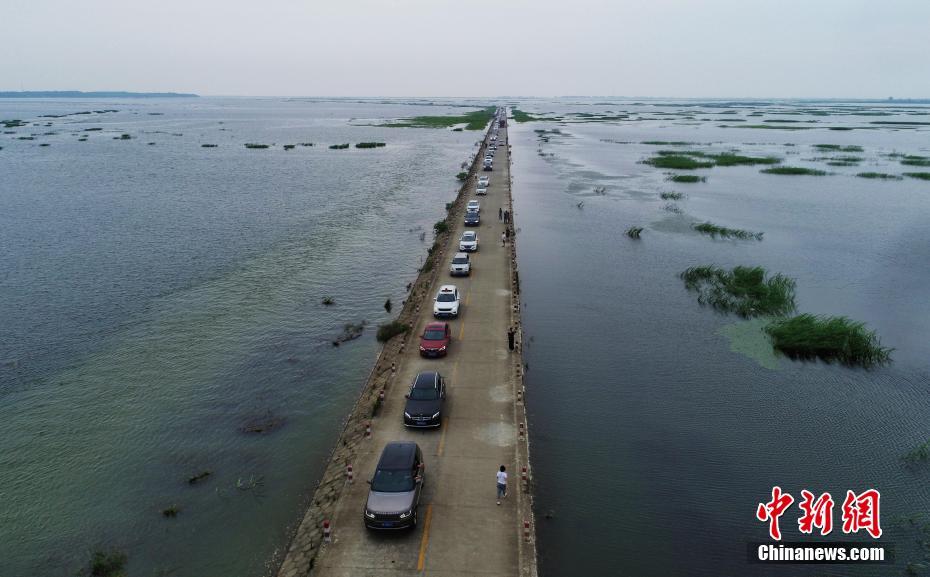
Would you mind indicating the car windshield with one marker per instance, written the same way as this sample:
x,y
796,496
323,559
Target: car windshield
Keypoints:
x,y
460,260
434,335
446,297
392,481
468,236
424,394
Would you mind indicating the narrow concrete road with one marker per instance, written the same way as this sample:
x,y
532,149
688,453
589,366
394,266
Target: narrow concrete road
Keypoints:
x,y
461,531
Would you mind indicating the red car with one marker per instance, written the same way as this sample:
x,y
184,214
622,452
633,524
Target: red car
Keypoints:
x,y
435,340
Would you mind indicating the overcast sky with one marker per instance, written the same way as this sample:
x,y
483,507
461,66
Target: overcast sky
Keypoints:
x,y
679,48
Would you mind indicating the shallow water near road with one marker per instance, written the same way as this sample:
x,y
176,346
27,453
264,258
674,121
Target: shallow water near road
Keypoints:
x,y
657,425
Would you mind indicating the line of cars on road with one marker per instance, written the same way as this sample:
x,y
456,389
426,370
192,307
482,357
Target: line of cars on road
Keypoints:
x,y
397,483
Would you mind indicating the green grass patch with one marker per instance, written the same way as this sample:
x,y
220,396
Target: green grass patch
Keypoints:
x,y
289,146
634,231
770,126
918,454
110,563
918,175
694,153
880,175
462,176
390,330
171,511
678,162
123,137
686,178
370,144
339,146
715,230
671,196
911,160
743,290
475,120
669,143
440,227
830,339
729,159
838,147
305,144
255,145
793,170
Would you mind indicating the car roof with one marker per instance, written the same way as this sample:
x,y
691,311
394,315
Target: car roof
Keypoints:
x,y
469,233
460,255
446,288
435,326
398,455
426,380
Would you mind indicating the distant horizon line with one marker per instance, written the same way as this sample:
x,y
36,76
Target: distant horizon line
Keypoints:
x,y
168,94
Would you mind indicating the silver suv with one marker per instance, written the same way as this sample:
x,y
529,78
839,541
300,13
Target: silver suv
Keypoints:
x,y
395,487
461,264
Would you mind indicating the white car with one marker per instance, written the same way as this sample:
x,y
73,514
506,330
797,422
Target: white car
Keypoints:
x,y
481,190
469,241
473,205
484,181
461,264
447,302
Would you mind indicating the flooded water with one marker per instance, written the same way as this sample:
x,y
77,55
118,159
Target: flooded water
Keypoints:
x,y
158,298
658,425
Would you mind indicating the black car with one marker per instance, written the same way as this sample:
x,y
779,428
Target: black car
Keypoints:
x,y
472,218
395,488
425,400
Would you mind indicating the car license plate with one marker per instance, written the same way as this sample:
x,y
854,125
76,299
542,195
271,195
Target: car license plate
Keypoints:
x,y
387,524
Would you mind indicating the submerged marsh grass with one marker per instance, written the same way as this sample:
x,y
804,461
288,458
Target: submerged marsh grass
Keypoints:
x,y
677,162
796,170
830,339
475,120
690,178
918,175
714,231
880,175
743,290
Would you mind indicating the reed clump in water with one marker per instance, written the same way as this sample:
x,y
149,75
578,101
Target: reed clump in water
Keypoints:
x,y
794,170
880,175
715,230
678,162
838,147
730,159
671,195
918,175
743,290
808,336
339,146
110,563
634,232
255,145
918,454
686,178
370,144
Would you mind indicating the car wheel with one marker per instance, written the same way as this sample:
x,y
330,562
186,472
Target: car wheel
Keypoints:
x,y
413,523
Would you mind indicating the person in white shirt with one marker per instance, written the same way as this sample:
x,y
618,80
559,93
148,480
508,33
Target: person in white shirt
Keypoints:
x,y
501,484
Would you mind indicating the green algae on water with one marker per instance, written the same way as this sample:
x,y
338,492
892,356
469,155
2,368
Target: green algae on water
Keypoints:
x,y
749,338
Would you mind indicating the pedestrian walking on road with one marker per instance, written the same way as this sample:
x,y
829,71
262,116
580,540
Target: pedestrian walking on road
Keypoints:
x,y
500,214
507,232
501,484
503,239
511,336
506,216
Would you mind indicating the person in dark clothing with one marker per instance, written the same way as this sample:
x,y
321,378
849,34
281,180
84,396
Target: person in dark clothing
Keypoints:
x,y
500,214
506,216
511,334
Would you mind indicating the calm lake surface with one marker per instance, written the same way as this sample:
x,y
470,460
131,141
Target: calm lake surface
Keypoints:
x,y
158,297
658,425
